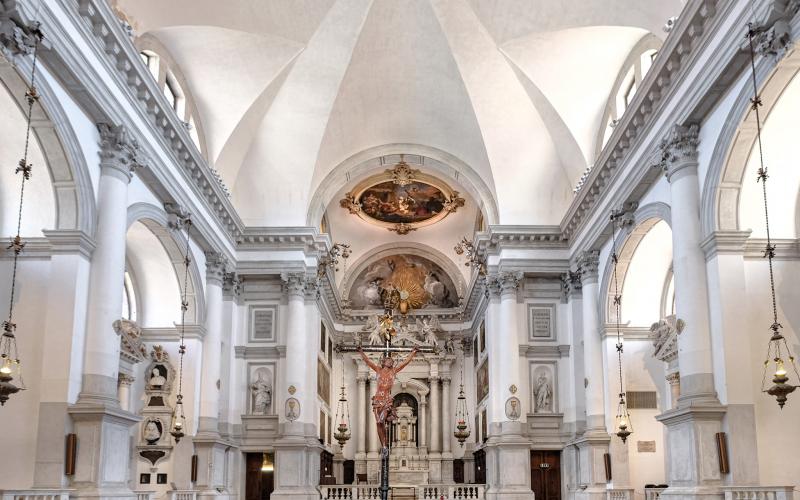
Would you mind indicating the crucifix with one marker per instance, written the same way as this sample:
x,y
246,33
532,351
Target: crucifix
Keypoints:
x,y
386,371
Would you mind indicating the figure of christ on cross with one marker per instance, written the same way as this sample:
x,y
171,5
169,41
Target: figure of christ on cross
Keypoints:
x,y
382,403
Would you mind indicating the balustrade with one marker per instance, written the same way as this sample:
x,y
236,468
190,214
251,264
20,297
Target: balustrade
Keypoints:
x,y
758,492
34,494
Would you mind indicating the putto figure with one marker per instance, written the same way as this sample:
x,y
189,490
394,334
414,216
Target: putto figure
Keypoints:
x,y
382,405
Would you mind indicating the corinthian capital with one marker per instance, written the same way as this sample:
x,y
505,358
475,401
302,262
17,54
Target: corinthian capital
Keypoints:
x,y
503,283
215,267
678,149
587,265
300,285
16,39
119,151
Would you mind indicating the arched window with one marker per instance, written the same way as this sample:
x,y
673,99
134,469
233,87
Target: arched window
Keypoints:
x,y
636,66
150,60
128,298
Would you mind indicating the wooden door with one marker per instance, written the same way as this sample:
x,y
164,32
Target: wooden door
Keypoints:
x,y
252,480
349,471
458,471
480,467
546,474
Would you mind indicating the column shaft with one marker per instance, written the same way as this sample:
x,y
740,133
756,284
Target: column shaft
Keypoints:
x,y
374,441
212,346
363,418
423,429
592,344
446,417
436,416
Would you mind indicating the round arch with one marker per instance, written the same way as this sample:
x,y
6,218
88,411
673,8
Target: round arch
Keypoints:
x,y
73,191
723,184
627,242
155,219
445,165
411,248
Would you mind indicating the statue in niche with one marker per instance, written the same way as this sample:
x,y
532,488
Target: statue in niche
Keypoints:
x,y
262,394
450,346
152,431
157,380
543,394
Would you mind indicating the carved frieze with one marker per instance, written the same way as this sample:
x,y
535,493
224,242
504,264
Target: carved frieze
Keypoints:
x,y
664,335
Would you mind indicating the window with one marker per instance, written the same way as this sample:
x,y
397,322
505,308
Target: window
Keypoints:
x,y
128,299
174,93
193,132
625,92
647,59
630,92
150,60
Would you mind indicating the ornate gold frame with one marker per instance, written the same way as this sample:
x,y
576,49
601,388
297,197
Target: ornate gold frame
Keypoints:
x,y
401,174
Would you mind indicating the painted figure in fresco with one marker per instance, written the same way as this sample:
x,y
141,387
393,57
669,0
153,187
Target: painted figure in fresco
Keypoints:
x,y
382,401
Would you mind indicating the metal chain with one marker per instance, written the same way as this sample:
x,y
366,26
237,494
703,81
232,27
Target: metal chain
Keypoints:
x,y
617,299
184,307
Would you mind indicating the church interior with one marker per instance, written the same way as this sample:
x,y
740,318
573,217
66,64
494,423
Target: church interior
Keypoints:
x,y
539,249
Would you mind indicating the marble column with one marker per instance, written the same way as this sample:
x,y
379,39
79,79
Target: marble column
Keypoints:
x,y
209,445
691,455
435,446
447,433
212,345
594,442
374,445
573,290
124,391
674,381
423,428
436,417
297,450
361,398
99,422
508,474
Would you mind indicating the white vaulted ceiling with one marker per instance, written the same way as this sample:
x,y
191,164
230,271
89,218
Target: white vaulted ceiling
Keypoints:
x,y
289,90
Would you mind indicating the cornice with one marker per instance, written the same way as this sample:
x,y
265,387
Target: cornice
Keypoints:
x,y
725,242
69,241
306,239
260,352
544,351
628,332
785,249
172,333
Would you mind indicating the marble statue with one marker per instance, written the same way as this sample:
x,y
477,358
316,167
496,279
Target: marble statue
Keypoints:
x,y
374,327
543,394
427,329
151,432
262,394
157,381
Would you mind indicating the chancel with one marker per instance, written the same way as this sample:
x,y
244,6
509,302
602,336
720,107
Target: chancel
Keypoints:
x,y
417,249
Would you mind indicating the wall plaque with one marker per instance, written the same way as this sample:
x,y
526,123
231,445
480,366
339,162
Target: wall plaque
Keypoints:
x,y
646,446
541,322
262,323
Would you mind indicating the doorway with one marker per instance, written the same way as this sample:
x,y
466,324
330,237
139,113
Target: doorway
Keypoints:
x,y
546,474
259,476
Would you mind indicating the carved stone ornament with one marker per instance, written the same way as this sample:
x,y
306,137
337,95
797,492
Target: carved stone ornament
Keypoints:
x,y
177,216
588,264
402,199
119,150
678,148
664,336
130,340
16,39
216,264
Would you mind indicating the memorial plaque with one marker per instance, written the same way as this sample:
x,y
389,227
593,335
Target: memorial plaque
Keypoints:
x,y
262,324
541,319
646,446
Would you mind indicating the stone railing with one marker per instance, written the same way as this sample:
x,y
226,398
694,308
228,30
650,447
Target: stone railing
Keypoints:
x,y
758,492
451,491
349,492
653,493
145,495
182,495
619,494
34,494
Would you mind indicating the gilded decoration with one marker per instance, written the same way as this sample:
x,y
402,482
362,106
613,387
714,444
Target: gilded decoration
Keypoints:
x,y
402,199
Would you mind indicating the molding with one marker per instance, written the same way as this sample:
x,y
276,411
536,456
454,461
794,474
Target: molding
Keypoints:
x,y
69,241
628,332
172,333
544,351
785,249
725,242
260,352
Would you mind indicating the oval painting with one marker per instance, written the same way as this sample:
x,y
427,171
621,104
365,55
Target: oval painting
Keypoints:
x,y
393,203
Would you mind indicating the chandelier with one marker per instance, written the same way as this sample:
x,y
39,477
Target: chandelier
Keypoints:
x,y
777,348
178,415
342,433
624,427
461,431
10,365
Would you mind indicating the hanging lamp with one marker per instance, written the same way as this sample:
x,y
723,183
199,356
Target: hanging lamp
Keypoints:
x,y
622,421
178,416
342,433
461,432
778,351
10,364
